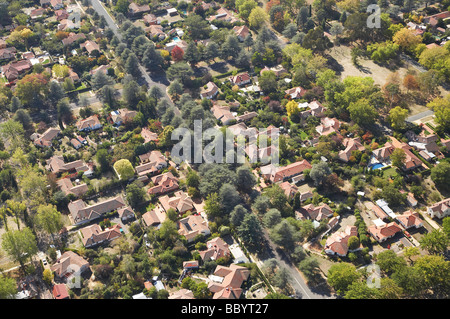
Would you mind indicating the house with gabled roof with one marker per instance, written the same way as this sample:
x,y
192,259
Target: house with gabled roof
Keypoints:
x,y
192,226
351,145
148,135
69,264
296,92
67,187
440,209
126,213
410,219
89,124
241,32
151,163
56,165
317,213
45,139
215,249
181,202
337,243
60,291
227,281
164,183
94,235
210,91
155,217
81,213
223,114
384,232
281,174
121,116
241,79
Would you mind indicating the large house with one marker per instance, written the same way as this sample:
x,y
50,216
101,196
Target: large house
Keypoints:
x,y
56,165
14,69
241,32
351,144
7,53
45,139
383,154
223,15
227,281
181,202
89,124
67,187
154,217
328,126
410,219
81,213
94,235
122,116
60,291
135,9
69,264
210,91
90,46
216,248
282,174
151,162
164,183
296,92
240,79
72,38
337,243
317,213
440,209
384,232
223,114
148,135
192,226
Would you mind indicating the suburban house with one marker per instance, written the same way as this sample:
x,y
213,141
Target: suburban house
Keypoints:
x,y
314,108
289,189
135,9
192,226
126,213
383,154
67,187
379,212
216,248
351,144
246,116
76,143
156,30
410,219
45,139
12,70
279,70
241,32
440,209
328,126
81,213
90,46
154,217
56,165
223,114
224,15
94,235
148,135
57,4
210,91
72,38
433,20
60,291
7,53
61,14
182,294
102,68
337,243
181,202
240,79
226,282
317,213
280,174
69,264
382,233
89,124
121,116
164,183
151,162
296,92
37,13
150,19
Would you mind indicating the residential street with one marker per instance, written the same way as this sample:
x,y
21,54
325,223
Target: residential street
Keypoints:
x,y
158,80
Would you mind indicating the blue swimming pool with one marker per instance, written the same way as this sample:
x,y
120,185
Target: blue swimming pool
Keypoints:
x,y
376,166
176,39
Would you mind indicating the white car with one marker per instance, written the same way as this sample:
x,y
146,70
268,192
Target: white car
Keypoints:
x,y
44,261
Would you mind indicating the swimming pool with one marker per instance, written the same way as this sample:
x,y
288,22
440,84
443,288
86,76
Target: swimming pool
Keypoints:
x,y
176,39
376,166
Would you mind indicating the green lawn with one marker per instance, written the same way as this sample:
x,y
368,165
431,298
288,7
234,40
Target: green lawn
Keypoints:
x,y
391,171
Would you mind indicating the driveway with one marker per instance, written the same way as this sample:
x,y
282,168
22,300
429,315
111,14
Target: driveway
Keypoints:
x,y
419,116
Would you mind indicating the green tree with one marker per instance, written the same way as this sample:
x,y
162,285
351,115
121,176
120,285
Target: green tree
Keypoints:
x,y
362,112
435,242
135,193
104,159
341,276
257,18
310,268
49,219
268,82
124,169
284,235
389,262
251,231
440,175
397,117
8,288
360,290
398,157
19,244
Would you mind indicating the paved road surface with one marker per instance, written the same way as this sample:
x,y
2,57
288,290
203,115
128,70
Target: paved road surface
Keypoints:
x,y
419,116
